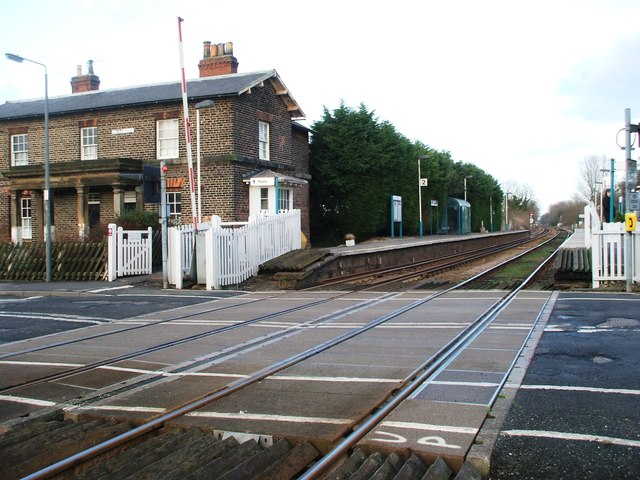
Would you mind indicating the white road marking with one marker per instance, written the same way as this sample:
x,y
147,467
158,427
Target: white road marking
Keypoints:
x,y
334,379
108,289
14,300
465,384
121,408
273,418
57,317
430,427
30,401
171,374
40,364
572,436
569,388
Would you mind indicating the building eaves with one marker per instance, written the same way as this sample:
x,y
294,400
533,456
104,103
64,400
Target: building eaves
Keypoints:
x,y
208,87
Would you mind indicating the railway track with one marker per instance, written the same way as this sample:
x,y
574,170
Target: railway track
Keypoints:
x,y
299,457
404,275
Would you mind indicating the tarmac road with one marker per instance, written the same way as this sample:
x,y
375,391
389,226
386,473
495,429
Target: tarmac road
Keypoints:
x,y
577,413
30,310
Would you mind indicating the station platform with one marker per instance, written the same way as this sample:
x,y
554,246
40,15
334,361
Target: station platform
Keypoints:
x,y
305,268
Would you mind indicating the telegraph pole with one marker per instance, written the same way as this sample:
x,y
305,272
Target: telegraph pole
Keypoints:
x,y
631,180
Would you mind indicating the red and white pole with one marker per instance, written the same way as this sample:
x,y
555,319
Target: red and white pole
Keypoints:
x,y
187,126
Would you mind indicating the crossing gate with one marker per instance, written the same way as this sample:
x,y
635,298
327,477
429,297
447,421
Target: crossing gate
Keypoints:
x,y
129,252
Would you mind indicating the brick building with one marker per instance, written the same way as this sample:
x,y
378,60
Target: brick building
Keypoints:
x,y
101,140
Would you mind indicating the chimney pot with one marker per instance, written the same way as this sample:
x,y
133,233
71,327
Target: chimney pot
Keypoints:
x,y
207,50
220,62
78,70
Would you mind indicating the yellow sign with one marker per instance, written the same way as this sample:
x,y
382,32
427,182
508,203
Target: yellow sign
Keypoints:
x,y
630,220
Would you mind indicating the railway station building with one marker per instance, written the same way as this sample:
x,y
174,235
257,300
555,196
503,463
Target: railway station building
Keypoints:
x,y
104,143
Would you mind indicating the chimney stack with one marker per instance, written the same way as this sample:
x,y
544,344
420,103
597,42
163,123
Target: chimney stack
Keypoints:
x,y
85,83
218,59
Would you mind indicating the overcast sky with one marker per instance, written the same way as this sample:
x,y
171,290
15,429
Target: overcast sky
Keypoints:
x,y
524,90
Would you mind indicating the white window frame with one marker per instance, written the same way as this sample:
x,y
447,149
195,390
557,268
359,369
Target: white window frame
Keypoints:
x,y
285,199
167,134
26,219
89,143
19,149
174,205
264,199
263,140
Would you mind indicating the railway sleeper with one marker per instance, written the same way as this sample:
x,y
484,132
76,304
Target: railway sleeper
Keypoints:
x,y
375,466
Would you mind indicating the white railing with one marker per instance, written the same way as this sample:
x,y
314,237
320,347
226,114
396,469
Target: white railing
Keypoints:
x,y
129,252
233,251
607,242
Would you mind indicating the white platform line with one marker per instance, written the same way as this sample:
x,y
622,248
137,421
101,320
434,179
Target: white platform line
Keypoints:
x,y
571,436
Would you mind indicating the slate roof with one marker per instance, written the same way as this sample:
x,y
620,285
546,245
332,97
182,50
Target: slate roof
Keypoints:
x,y
201,88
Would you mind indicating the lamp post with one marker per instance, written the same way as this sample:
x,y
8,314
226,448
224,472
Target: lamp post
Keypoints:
x,y
47,199
421,182
200,105
506,211
491,213
465,186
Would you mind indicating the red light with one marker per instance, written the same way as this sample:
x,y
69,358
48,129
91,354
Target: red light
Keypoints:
x,y
164,169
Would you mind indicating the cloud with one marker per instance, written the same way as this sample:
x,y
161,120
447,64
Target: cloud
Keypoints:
x,y
601,87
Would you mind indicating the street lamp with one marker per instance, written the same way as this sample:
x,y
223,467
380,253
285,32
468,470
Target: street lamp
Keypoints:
x,y
506,211
465,186
421,182
202,104
47,199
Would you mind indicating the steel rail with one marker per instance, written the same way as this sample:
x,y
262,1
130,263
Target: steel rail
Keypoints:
x,y
260,375
423,374
441,263
162,346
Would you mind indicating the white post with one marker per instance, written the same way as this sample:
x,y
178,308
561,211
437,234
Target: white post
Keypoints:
x,y
111,252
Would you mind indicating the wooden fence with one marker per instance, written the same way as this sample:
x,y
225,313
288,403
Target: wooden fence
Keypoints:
x,y
78,261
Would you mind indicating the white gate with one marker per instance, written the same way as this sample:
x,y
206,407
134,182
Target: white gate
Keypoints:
x,y
129,252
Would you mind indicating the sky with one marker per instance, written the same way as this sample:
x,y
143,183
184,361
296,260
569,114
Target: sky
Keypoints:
x,y
523,90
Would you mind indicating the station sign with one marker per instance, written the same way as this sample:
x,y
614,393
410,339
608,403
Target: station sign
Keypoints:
x,y
263,182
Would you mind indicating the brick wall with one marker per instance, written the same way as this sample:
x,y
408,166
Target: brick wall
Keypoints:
x,y
229,145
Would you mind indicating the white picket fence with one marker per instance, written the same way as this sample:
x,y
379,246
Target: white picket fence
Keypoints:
x,y
129,252
608,248
233,251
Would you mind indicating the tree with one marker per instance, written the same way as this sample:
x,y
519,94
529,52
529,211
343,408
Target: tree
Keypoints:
x,y
357,163
591,177
566,212
521,203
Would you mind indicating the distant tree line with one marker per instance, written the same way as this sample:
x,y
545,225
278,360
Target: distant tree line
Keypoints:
x,y
358,162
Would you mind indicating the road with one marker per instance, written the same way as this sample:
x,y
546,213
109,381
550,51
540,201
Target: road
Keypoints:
x,y
35,315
